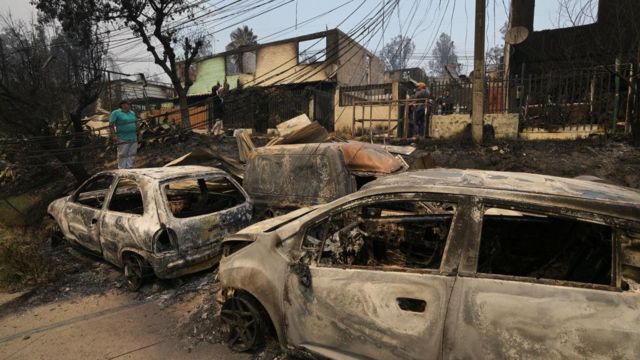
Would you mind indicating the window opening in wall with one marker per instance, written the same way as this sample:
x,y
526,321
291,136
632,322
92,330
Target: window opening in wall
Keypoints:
x,y
312,51
563,14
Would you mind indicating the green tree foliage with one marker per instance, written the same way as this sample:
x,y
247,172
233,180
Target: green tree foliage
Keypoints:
x,y
241,37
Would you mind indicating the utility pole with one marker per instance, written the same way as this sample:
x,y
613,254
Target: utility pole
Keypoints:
x,y
477,116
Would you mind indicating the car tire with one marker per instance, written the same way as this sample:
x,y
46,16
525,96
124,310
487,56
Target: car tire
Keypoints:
x,y
134,271
56,238
243,323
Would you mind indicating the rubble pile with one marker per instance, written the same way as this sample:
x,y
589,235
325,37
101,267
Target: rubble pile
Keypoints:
x,y
151,133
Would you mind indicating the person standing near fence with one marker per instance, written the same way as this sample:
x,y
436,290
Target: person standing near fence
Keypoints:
x,y
212,114
218,111
123,128
419,112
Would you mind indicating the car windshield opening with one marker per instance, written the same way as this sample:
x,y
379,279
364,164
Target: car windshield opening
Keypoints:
x,y
201,196
537,246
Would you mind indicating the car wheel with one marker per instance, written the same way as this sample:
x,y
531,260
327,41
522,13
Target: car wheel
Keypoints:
x,y
56,238
133,271
242,324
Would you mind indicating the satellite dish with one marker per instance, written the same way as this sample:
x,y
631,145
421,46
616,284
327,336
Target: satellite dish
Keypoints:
x,y
516,35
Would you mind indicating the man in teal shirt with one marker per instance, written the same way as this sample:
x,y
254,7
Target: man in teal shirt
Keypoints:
x,y
123,128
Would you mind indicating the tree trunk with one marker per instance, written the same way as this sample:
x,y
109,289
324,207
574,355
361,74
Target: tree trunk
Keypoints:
x,y
76,168
184,109
76,121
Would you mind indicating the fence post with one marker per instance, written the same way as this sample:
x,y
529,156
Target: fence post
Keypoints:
x,y
353,119
627,114
616,101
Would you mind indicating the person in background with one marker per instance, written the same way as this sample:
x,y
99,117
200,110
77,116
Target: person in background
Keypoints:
x,y
419,112
213,113
123,128
445,103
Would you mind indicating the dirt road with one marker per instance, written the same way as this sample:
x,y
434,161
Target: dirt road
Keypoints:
x,y
113,325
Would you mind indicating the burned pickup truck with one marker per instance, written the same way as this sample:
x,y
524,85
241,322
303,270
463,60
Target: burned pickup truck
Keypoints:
x,y
444,263
285,177
163,221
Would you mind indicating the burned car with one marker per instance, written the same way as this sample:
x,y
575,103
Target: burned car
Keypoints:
x,y
285,177
163,221
444,263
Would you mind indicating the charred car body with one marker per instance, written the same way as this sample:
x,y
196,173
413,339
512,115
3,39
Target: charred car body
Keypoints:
x,y
444,264
285,177
165,221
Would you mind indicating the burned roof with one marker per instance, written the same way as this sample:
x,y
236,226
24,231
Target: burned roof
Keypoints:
x,y
162,173
513,182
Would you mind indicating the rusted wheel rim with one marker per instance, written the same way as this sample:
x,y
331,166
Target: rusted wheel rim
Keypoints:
x,y
240,321
133,272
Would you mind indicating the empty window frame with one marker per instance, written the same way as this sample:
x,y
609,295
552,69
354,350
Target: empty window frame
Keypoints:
x,y
240,63
540,246
565,14
312,51
127,198
389,234
92,194
201,196
629,259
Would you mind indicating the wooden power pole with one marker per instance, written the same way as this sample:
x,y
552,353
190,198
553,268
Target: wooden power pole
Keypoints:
x,y
477,116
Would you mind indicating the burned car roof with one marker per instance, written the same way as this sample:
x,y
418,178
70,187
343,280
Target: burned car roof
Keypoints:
x,y
164,173
516,183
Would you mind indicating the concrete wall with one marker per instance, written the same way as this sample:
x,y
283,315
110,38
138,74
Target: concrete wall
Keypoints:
x,y
615,33
566,133
354,69
283,58
209,73
505,126
343,115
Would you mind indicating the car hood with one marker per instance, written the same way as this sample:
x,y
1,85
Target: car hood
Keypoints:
x,y
56,206
276,222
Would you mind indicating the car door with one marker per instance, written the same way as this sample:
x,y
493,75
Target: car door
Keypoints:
x,y
84,211
541,284
378,279
202,210
125,223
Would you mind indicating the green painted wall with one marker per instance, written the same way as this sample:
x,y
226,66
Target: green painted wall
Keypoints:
x,y
210,72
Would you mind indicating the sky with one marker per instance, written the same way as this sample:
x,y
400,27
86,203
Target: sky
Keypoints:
x,y
424,19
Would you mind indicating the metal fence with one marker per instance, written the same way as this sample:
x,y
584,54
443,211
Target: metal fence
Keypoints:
x,y
264,108
599,95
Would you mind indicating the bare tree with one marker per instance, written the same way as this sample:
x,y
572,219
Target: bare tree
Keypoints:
x,y
445,56
576,12
46,84
153,22
396,52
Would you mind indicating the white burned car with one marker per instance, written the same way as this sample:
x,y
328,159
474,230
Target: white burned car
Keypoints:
x,y
163,221
453,264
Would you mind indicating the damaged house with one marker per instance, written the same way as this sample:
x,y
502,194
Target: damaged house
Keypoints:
x,y
574,76
273,82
